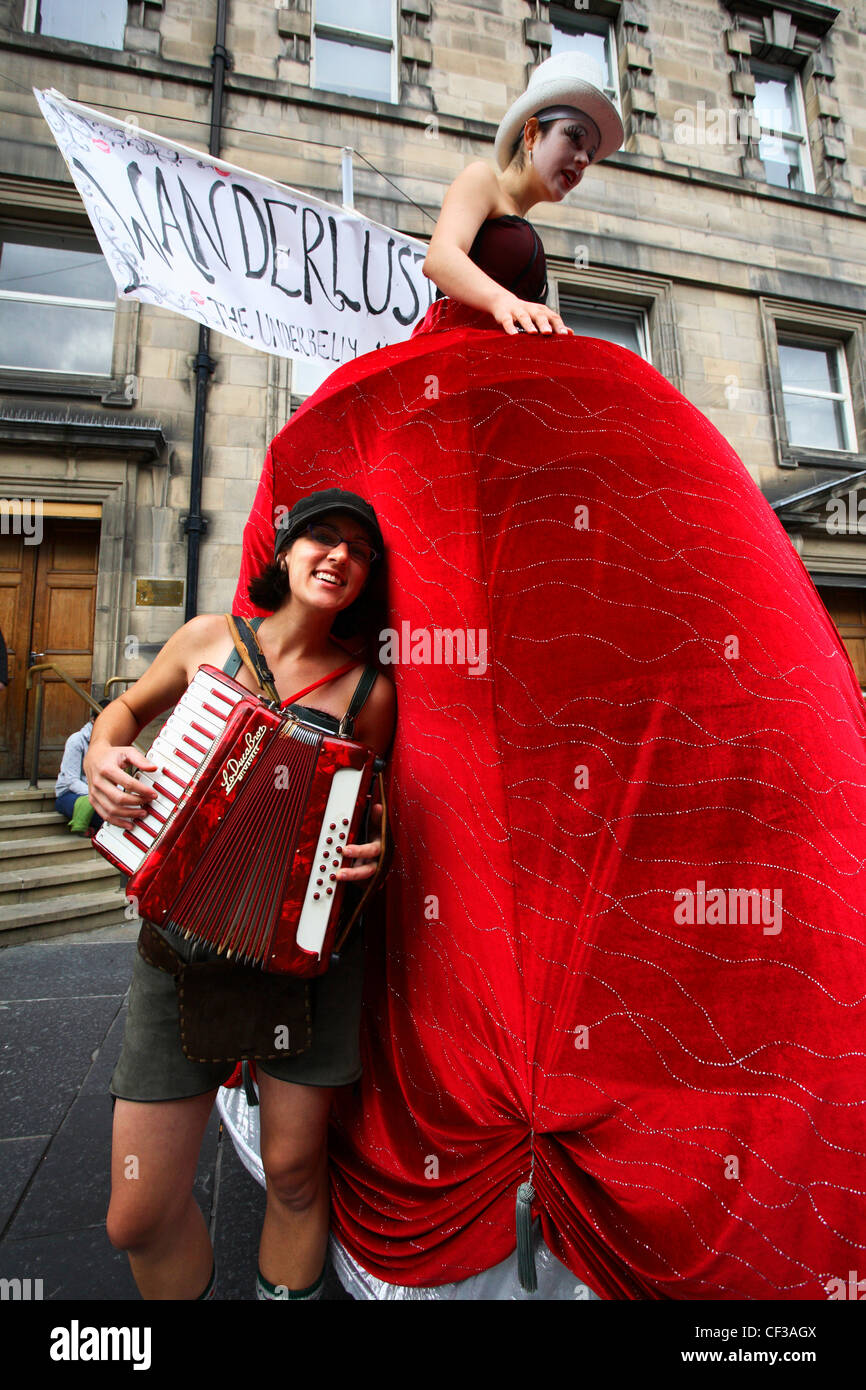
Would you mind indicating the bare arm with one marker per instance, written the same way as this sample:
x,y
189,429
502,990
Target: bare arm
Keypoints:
x,y
474,196
115,794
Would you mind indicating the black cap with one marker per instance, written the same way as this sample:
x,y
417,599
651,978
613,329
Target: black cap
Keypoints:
x,y
331,499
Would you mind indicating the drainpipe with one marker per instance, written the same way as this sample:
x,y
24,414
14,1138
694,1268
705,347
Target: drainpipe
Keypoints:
x,y
195,525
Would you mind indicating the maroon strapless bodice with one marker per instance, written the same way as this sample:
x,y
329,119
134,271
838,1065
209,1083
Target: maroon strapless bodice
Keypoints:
x,y
509,250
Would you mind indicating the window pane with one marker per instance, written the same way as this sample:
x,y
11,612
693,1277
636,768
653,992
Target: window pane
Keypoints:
x,y
346,67
814,423
586,41
56,337
99,22
364,16
814,369
774,104
781,162
612,330
55,270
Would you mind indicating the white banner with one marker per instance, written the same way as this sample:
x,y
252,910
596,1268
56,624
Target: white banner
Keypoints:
x,y
256,260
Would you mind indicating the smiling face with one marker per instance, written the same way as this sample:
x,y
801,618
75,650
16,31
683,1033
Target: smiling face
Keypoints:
x,y
327,577
568,147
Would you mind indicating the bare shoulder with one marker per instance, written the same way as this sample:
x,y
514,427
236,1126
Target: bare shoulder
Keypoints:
x,y
480,172
208,632
173,667
199,641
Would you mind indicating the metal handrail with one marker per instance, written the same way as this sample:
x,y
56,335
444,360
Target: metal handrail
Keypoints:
x,y
40,697
119,680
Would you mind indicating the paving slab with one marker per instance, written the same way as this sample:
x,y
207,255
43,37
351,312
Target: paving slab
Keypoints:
x,y
62,1006
74,970
47,1053
19,1159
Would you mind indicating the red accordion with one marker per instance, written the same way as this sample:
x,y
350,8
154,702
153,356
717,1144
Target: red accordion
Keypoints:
x,y
240,848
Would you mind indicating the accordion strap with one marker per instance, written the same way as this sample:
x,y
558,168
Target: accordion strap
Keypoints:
x,y
247,646
381,867
369,676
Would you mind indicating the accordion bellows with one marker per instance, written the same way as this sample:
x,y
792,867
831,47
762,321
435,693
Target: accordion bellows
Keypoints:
x,y
240,849
625,930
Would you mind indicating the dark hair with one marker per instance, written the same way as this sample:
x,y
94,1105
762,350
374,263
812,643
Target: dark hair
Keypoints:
x,y
365,616
517,149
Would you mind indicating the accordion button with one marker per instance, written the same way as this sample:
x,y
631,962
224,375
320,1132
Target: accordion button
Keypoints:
x,y
329,840
316,895
329,890
332,826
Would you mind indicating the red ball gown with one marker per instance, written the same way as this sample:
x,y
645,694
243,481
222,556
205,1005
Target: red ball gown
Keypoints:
x,y
623,945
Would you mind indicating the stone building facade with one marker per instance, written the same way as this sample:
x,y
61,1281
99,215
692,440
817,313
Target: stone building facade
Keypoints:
x,y
726,242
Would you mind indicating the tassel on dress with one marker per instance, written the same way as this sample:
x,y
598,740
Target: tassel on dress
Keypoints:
x,y
525,1253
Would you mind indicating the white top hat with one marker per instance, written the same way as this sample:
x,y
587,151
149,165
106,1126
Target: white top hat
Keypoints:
x,y
568,79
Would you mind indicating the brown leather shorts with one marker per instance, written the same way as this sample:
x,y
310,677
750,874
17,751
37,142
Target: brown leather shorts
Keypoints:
x,y
152,1064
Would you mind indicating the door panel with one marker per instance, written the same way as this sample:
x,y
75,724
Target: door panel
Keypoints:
x,y
847,608
47,606
17,585
63,614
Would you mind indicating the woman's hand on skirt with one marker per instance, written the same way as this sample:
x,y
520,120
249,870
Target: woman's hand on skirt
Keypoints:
x,y
522,316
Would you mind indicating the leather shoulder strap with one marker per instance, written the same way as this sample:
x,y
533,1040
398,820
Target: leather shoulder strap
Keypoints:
x,y
252,656
234,663
369,676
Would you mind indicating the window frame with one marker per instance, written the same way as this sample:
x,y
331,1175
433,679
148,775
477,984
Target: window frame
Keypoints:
x,y
117,386
781,72
358,38
576,21
637,314
785,338
31,13
795,322
653,295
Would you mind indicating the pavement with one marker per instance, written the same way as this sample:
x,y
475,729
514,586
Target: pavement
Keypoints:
x,y
63,1005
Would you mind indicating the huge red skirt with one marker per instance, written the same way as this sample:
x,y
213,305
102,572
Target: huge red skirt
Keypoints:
x,y
624,941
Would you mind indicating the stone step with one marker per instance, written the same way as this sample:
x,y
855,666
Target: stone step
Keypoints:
x,y
28,826
25,800
37,921
44,850
57,880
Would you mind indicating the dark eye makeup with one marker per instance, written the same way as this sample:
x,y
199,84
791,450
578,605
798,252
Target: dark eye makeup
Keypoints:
x,y
575,133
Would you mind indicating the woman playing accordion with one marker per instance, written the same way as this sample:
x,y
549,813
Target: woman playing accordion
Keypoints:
x,y
324,563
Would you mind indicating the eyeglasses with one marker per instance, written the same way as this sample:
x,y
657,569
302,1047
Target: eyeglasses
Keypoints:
x,y
329,536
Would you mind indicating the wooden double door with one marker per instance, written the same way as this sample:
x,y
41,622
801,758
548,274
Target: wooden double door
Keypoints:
x,y
847,608
47,610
